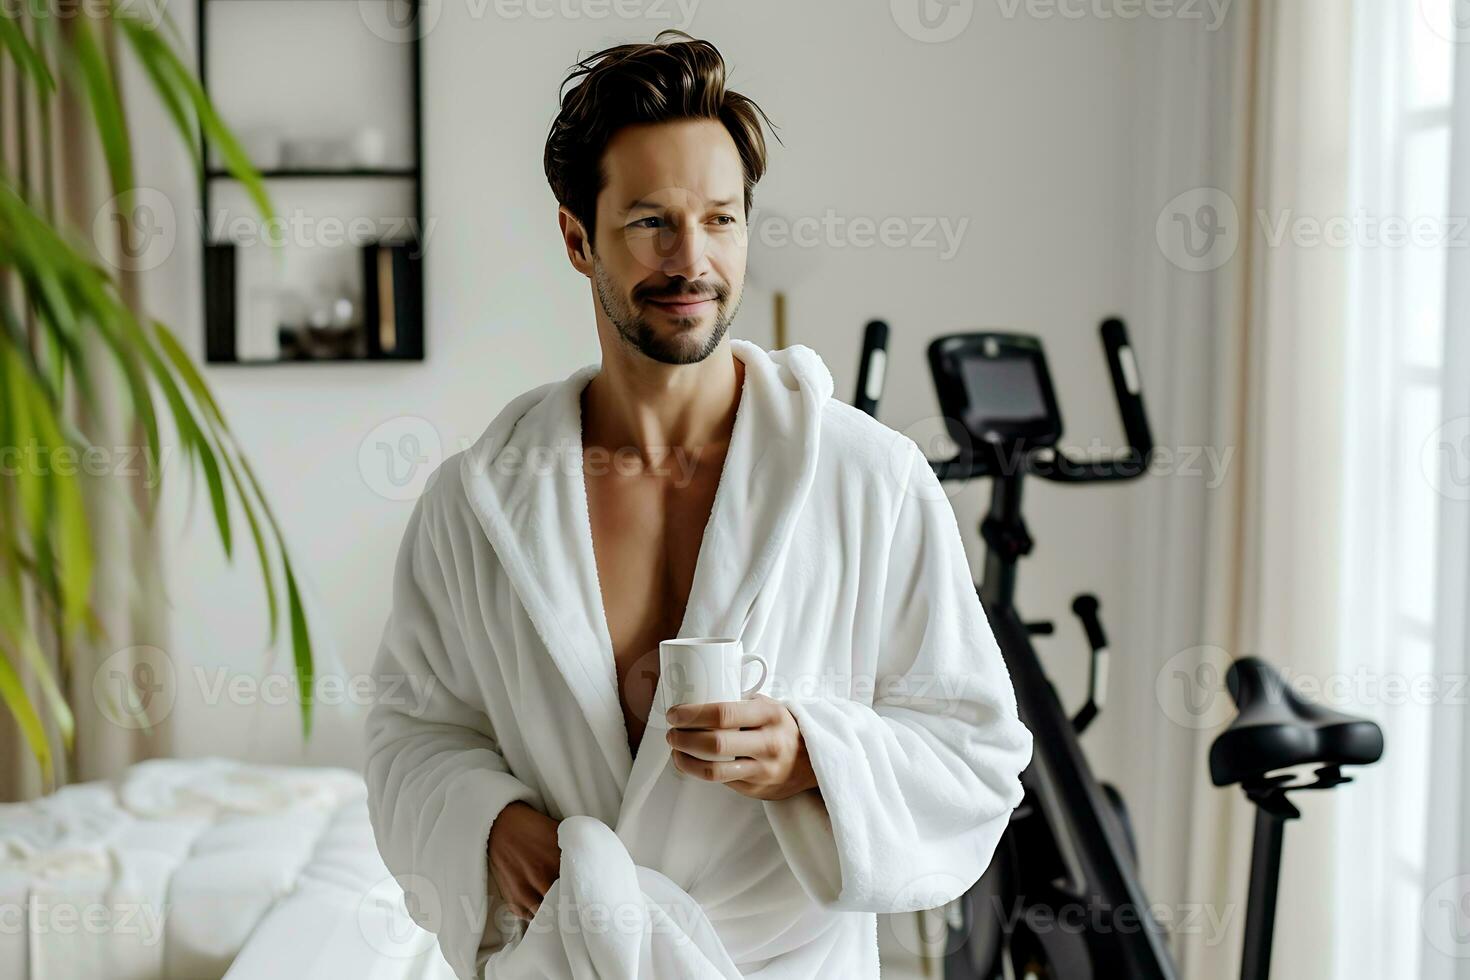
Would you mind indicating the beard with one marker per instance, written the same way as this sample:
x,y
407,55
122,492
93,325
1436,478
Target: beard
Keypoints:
x,y
686,345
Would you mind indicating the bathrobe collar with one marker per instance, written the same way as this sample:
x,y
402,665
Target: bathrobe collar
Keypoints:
x,y
524,480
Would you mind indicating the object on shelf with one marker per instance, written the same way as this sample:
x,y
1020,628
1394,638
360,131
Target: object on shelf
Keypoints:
x,y
316,153
304,342
263,146
369,147
392,299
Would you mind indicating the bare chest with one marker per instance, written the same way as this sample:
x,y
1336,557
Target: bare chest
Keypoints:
x,y
646,534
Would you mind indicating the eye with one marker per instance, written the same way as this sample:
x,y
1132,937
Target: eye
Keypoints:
x,y
724,219
644,222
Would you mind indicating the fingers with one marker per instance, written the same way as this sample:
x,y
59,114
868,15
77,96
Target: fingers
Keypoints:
x,y
753,713
533,883
716,772
709,745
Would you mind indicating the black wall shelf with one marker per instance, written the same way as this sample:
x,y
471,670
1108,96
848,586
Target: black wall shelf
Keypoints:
x,y
392,271
393,173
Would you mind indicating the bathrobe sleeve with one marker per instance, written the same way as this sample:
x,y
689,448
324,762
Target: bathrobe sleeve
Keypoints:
x,y
436,778
916,787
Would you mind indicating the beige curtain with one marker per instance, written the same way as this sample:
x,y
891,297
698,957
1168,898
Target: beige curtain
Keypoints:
x,y
119,686
1271,582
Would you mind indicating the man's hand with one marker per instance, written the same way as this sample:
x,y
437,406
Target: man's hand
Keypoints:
x,y
524,857
771,761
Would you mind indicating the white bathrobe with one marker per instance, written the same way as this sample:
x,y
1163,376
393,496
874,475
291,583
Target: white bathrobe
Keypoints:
x,y
831,551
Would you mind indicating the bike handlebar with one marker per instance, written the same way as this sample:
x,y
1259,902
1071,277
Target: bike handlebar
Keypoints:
x,y
1059,466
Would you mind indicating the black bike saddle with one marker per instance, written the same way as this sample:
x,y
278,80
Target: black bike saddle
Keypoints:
x,y
1275,729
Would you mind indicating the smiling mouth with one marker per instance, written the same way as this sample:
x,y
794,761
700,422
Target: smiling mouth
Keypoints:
x,y
684,305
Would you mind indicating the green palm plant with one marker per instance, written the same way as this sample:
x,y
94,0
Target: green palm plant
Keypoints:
x,y
60,309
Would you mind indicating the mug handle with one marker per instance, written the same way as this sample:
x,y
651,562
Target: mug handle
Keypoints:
x,y
746,661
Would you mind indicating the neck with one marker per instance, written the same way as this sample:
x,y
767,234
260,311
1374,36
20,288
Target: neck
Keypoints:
x,y
634,402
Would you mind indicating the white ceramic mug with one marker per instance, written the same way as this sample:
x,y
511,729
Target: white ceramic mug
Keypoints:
x,y
702,669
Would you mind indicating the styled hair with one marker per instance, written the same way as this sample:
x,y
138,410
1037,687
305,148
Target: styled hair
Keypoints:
x,y
643,83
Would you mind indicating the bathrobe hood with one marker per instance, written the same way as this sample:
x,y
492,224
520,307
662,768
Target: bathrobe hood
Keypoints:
x,y
524,481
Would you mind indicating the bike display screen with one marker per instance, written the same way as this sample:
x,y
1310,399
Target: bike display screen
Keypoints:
x,y
1003,390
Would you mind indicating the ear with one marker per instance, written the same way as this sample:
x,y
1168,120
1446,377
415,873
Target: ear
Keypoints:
x,y
579,246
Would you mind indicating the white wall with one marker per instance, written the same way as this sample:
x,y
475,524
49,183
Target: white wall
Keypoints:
x,y
1039,132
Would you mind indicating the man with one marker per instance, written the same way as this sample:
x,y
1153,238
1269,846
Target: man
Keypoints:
x,y
553,815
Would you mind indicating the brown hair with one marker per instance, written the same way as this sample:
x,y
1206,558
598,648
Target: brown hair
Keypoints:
x,y
643,83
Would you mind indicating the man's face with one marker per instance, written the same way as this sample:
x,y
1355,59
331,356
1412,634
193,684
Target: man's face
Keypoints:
x,y
669,259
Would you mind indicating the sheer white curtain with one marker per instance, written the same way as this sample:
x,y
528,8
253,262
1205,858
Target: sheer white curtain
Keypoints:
x,y
1404,848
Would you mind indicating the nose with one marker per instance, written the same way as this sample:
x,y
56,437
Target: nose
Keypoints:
x,y
683,249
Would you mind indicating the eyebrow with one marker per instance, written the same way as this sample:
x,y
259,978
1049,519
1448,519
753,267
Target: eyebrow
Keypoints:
x,y
723,202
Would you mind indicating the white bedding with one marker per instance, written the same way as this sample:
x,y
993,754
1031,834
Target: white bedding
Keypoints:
x,y
201,869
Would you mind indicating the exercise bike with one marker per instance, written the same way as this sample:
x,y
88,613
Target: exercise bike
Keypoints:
x,y
1062,897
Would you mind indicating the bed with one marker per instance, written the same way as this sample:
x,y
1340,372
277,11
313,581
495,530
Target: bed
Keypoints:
x,y
202,869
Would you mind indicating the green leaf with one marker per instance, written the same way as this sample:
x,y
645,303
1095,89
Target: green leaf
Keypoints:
x,y
13,693
236,161
267,576
12,624
146,46
185,368
25,56
189,432
70,515
300,647
107,109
